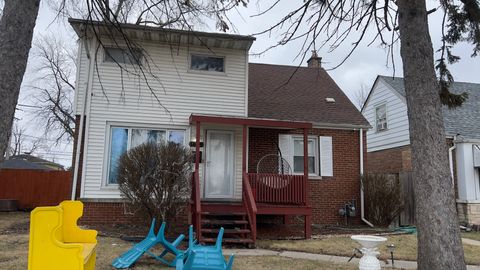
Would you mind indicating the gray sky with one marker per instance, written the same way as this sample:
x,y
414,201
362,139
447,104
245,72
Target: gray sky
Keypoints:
x,y
360,69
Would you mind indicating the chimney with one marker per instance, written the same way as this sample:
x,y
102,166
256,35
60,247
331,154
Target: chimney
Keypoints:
x,y
314,61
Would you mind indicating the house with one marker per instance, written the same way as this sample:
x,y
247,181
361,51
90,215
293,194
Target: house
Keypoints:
x,y
29,162
241,119
388,143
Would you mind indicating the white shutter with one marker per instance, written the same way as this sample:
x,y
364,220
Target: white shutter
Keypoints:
x,y
285,143
326,156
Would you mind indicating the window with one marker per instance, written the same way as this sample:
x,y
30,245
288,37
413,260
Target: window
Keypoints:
x,y
207,63
381,117
123,138
123,56
320,154
298,156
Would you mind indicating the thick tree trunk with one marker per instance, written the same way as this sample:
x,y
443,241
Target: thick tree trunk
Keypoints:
x,y
439,242
16,30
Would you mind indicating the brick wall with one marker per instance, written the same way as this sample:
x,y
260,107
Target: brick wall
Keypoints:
x,y
105,212
394,160
329,194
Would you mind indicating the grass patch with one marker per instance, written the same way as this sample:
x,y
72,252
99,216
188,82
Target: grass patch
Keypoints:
x,y
406,247
471,235
14,252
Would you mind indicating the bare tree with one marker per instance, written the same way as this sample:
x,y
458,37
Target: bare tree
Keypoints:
x,y
55,88
360,96
318,23
23,143
16,30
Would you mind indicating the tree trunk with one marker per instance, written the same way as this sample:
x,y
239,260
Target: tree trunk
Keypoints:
x,y
16,31
439,242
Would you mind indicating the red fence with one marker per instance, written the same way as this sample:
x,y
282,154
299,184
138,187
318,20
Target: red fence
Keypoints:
x,y
34,188
278,188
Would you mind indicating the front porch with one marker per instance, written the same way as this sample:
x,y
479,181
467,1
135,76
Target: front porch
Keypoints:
x,y
275,192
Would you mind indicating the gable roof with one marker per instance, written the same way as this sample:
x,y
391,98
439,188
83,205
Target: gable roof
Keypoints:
x,y
464,120
299,94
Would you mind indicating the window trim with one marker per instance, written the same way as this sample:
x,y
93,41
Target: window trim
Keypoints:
x,y
316,171
108,143
189,64
376,107
105,48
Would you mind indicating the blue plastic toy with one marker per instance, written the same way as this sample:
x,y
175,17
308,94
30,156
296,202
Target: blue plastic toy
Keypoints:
x,y
131,256
205,257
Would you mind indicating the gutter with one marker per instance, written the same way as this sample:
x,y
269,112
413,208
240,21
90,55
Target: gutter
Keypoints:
x,y
362,196
450,159
82,120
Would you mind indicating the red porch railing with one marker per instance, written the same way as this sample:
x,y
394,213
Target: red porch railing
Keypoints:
x,y
250,205
279,188
196,209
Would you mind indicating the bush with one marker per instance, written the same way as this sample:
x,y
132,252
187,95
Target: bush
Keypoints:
x,y
383,201
155,179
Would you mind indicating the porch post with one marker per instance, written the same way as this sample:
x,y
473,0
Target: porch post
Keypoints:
x,y
305,163
244,150
307,218
196,186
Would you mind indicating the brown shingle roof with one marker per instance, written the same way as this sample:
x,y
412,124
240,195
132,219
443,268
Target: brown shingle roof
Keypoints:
x,y
274,93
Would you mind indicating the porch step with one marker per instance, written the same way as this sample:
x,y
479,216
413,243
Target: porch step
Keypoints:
x,y
224,222
229,240
224,213
226,231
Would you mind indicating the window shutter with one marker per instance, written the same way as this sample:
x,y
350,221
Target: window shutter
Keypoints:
x,y
326,156
285,143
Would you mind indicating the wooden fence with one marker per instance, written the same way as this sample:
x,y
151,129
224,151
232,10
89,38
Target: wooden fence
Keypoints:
x,y
407,217
34,188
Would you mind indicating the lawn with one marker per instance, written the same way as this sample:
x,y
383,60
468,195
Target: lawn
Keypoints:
x,y
14,251
406,247
471,235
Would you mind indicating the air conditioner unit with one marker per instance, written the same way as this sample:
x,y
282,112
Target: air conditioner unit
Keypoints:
x,y
476,155
382,126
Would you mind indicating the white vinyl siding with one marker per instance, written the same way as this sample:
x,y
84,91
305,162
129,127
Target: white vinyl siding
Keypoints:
x,y
128,100
397,133
322,153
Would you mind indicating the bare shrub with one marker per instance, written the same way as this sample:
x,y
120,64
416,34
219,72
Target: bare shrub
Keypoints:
x,y
382,198
155,179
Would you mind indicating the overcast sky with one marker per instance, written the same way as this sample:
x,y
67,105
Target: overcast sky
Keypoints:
x,y
360,69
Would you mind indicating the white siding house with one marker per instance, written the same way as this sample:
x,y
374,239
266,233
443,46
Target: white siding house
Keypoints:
x,y
395,133
128,100
461,127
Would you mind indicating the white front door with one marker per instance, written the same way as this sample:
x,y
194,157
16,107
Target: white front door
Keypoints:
x,y
220,159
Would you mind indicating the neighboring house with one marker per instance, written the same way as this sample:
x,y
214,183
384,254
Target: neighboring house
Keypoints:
x,y
29,162
388,143
233,113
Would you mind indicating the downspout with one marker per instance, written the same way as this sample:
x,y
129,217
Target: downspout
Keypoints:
x,y
82,120
450,159
362,196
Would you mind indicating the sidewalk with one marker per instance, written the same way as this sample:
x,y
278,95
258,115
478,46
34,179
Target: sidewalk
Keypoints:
x,y
321,257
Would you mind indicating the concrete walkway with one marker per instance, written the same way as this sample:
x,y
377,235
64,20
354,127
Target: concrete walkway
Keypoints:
x,y
471,242
321,257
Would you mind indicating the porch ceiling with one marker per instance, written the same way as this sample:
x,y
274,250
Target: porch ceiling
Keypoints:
x,y
248,121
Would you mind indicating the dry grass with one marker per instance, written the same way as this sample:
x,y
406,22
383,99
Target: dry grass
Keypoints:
x,y
406,247
14,252
471,235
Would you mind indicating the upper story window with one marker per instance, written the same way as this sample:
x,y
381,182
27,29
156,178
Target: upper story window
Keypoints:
x,y
207,63
123,56
124,138
381,117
